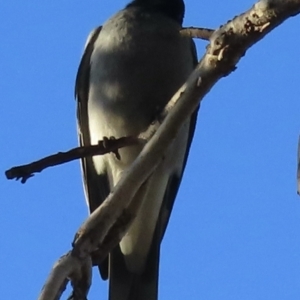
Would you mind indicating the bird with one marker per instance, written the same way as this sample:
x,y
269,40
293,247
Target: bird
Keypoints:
x,y
130,69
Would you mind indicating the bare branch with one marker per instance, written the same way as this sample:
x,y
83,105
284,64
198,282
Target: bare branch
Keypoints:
x,y
198,33
68,267
81,280
107,145
228,45
108,223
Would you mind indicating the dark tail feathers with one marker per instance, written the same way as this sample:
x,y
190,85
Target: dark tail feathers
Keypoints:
x,y
124,285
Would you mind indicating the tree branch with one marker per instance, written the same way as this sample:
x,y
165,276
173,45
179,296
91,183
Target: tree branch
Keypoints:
x,y
68,267
196,32
24,172
227,45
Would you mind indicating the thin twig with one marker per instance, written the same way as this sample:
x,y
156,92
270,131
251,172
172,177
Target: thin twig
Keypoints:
x,y
24,172
197,32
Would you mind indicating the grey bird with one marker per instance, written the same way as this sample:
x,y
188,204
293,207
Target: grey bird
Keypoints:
x,y
130,69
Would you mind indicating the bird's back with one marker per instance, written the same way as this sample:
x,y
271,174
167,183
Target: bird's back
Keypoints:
x,y
138,63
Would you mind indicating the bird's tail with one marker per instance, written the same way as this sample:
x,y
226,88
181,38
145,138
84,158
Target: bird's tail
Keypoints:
x,y
125,285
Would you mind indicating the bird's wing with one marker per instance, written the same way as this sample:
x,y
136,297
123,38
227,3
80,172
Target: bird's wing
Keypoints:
x,y
175,179
96,185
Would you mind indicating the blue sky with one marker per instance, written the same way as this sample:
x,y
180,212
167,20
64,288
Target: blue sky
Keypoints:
x,y
235,229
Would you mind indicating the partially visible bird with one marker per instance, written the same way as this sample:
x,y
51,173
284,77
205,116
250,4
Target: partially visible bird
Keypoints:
x,y
131,67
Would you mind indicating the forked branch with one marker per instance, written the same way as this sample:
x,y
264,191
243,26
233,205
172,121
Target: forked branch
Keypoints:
x,y
227,45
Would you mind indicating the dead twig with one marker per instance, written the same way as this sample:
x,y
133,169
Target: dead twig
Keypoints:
x,y
24,172
197,33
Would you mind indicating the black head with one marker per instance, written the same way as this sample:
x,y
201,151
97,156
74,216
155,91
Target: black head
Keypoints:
x,y
171,8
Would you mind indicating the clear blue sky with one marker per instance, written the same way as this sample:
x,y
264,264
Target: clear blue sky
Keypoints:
x,y
235,229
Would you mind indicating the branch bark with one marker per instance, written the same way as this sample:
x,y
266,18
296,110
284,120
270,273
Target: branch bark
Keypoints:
x,y
24,172
227,45
199,33
68,267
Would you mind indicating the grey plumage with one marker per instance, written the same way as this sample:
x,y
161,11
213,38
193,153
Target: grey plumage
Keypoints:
x,y
130,69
